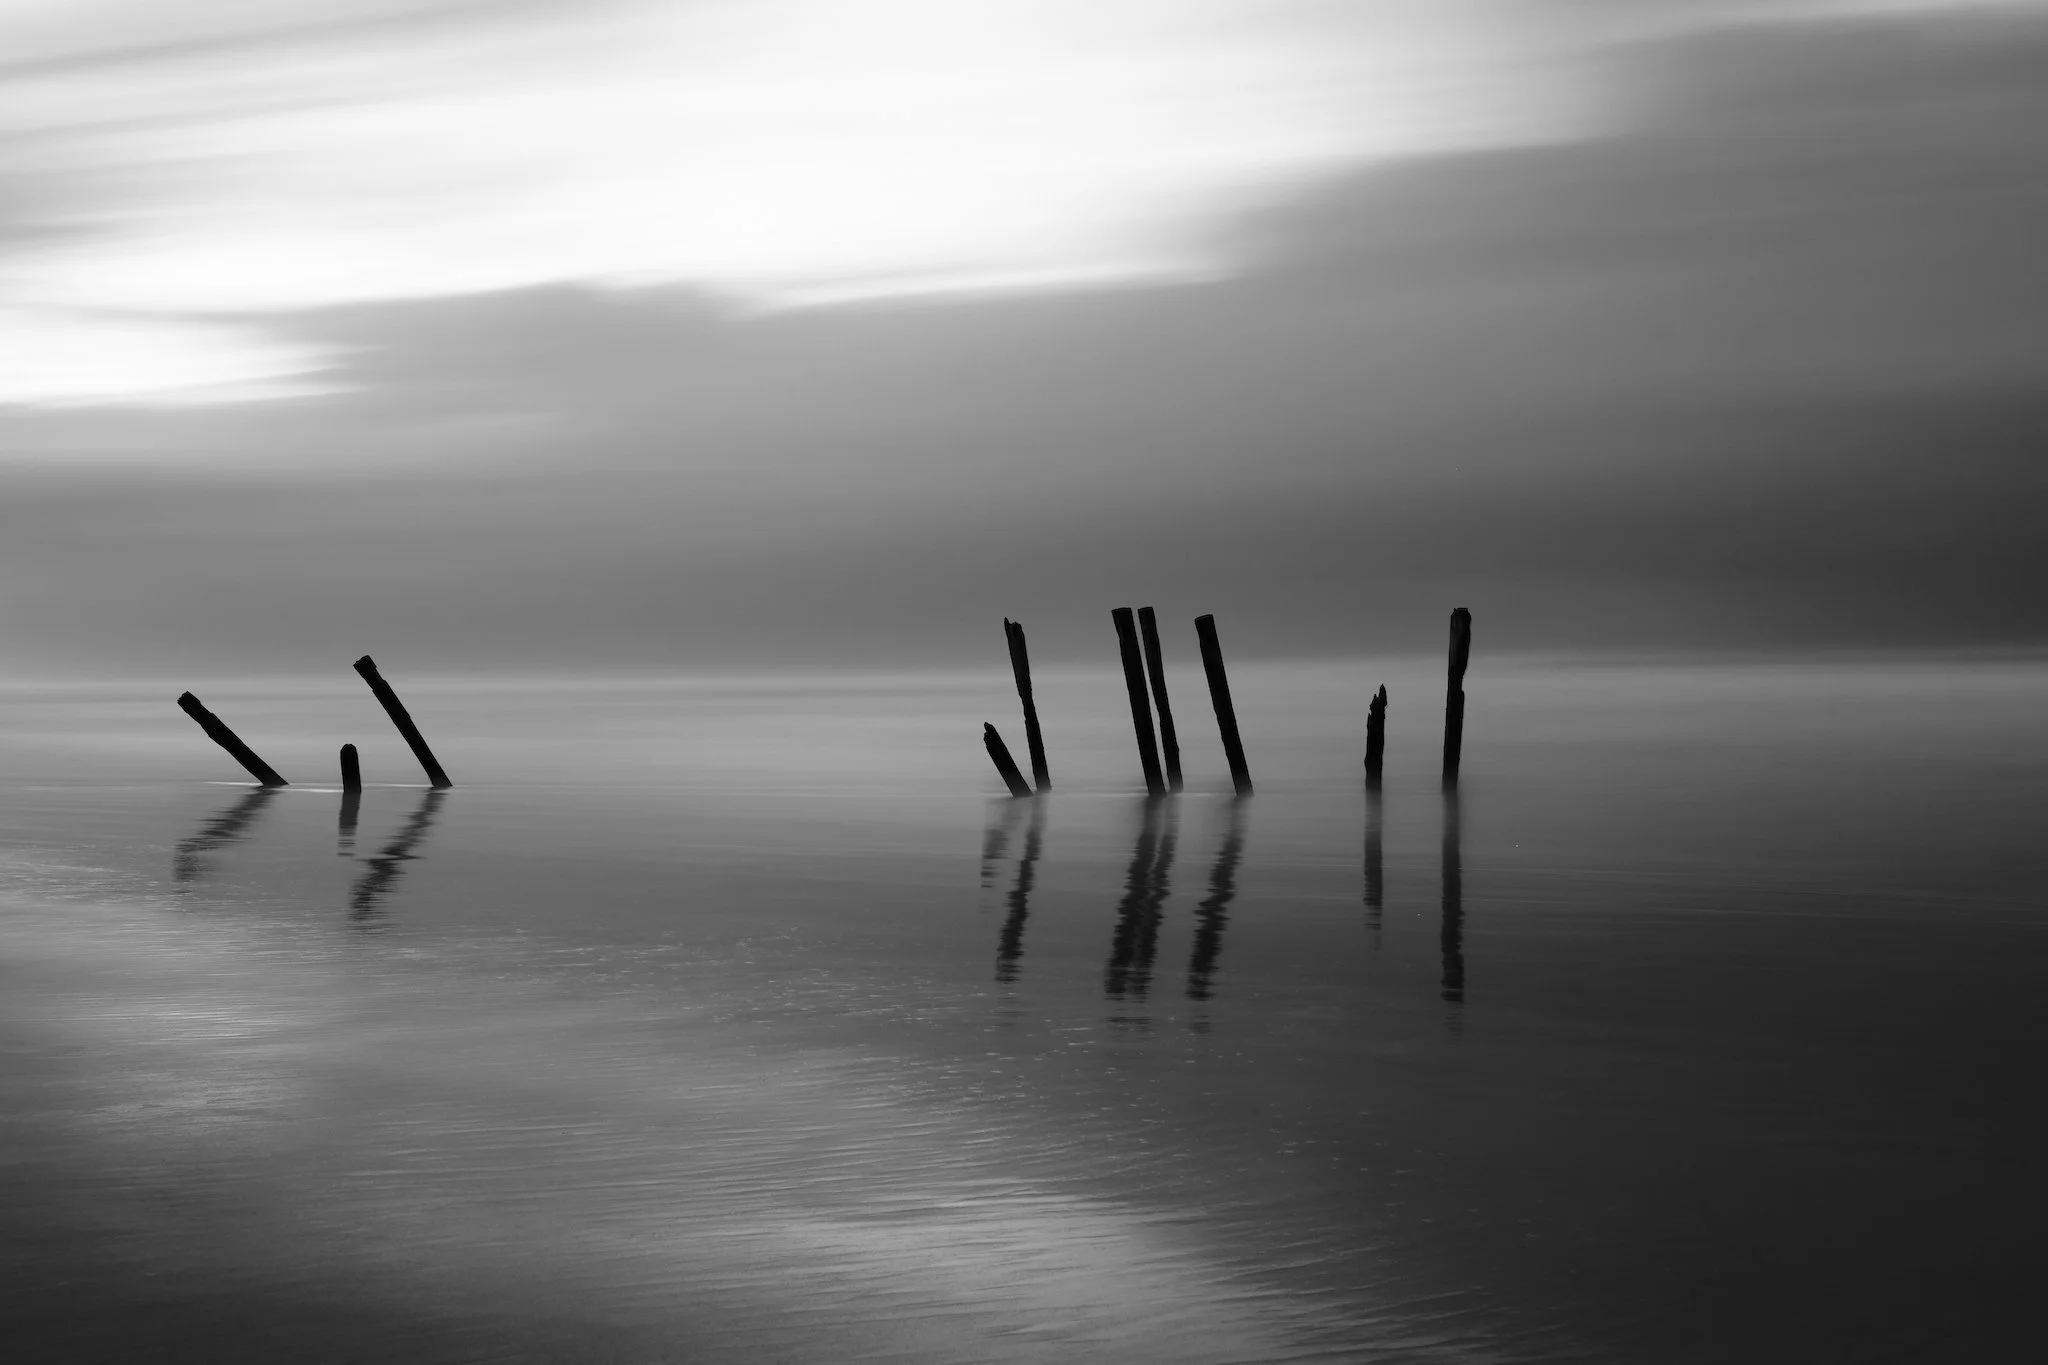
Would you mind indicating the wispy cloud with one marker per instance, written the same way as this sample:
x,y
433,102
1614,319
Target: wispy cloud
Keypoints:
x,y
773,152
176,173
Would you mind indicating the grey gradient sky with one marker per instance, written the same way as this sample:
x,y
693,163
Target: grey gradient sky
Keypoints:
x,y
554,336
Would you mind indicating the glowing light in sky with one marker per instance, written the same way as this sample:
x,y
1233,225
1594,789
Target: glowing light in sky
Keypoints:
x,y
203,160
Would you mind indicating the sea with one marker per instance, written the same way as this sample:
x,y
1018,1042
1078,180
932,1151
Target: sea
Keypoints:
x,y
737,1017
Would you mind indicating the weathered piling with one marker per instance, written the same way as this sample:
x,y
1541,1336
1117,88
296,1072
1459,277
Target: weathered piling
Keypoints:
x,y
1141,709
219,733
351,800
1454,694
1219,697
1007,766
1020,664
1376,736
1155,671
401,718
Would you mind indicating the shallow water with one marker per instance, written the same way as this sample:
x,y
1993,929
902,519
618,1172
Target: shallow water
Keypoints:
x,y
740,1019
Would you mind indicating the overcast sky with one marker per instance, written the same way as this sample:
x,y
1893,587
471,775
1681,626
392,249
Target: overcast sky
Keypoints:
x,y
581,333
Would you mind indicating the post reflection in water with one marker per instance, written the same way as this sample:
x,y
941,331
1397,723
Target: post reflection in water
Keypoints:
x,y
1010,944
995,841
1375,870
1145,889
1212,913
1454,904
374,886
351,807
227,827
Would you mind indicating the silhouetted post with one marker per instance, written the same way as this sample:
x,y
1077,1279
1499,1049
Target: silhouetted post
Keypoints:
x,y
1141,709
1005,765
229,740
351,770
400,717
1155,670
1376,736
1020,664
1219,697
1454,694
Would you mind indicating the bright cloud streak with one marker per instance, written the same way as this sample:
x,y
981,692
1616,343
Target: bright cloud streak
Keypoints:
x,y
74,356
777,152
202,160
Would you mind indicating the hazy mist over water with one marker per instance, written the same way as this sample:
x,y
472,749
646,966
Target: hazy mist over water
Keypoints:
x,y
673,396
1692,326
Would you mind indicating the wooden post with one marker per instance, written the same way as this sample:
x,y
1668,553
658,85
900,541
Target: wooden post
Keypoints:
x,y
229,740
351,769
395,709
1020,664
1155,670
1141,709
1219,697
1376,737
1007,766
1454,694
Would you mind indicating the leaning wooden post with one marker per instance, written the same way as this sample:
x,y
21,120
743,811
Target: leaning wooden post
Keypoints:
x,y
1007,766
1141,709
229,740
351,769
1454,694
1376,736
395,709
1020,664
1155,669
1219,697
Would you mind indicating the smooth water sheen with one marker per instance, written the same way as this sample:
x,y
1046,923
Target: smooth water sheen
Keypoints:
x,y
739,1019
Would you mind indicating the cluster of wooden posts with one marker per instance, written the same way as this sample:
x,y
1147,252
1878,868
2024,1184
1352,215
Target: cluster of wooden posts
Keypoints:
x,y
351,767
1138,643
1137,639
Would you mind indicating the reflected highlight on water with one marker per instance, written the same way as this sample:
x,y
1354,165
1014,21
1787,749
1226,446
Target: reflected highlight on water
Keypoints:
x,y
1213,911
367,896
1146,887
1010,944
229,826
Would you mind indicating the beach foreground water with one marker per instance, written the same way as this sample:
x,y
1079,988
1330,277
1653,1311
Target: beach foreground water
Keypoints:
x,y
740,1019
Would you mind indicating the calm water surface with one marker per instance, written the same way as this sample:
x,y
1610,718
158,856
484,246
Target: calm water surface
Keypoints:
x,y
740,1019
